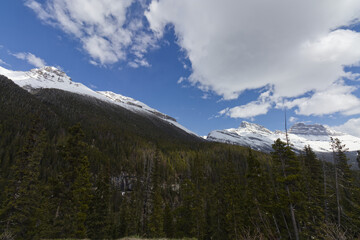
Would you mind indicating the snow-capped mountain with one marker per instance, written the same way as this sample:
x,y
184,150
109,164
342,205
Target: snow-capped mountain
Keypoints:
x,y
300,135
51,77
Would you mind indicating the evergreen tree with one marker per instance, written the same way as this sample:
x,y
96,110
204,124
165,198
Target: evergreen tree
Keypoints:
x,y
347,192
99,220
258,197
21,213
168,222
155,225
313,210
232,198
288,179
197,169
73,187
185,218
128,216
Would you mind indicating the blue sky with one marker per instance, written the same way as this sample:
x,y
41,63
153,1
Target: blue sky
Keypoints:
x,y
237,60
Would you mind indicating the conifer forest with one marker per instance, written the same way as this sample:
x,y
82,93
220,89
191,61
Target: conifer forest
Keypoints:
x,y
74,167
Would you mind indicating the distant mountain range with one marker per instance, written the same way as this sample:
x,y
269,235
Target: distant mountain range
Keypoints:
x,y
300,135
248,134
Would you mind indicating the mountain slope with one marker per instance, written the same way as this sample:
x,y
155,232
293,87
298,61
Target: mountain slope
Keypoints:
x,y
53,78
300,134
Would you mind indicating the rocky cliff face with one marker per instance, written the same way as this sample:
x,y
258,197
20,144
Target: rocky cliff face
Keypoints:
x,y
313,129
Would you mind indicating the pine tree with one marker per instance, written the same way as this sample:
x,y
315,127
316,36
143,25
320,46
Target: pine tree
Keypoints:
x,y
287,172
232,197
197,170
168,222
21,211
129,216
155,225
313,210
185,218
346,191
99,219
258,197
73,188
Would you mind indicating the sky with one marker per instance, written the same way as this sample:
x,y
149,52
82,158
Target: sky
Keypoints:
x,y
210,64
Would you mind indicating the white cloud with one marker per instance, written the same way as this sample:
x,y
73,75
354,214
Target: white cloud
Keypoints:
x,y
205,96
249,110
2,62
133,64
138,62
293,119
101,26
181,79
30,58
352,127
336,98
296,47
93,86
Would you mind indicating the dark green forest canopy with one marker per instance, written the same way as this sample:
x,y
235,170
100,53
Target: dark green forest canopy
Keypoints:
x,y
74,166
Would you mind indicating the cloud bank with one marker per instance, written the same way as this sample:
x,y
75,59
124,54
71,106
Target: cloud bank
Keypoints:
x,y
351,126
30,58
295,47
102,26
294,52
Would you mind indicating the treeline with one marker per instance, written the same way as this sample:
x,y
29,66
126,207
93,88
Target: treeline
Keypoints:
x,y
215,192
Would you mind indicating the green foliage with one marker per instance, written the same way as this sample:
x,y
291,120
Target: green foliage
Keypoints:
x,y
259,197
155,225
99,221
21,210
168,222
313,211
288,182
122,174
349,193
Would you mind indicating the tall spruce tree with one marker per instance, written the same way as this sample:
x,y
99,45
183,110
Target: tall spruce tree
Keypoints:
x,y
185,217
232,198
21,213
155,224
99,221
347,192
287,173
258,197
168,222
313,188
73,187
197,169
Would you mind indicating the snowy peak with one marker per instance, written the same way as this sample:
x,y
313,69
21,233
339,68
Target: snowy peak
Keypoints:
x,y
46,77
300,135
49,74
312,129
40,74
253,127
248,134
52,77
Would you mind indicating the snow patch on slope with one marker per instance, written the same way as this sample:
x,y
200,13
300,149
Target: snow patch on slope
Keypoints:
x,y
51,77
300,135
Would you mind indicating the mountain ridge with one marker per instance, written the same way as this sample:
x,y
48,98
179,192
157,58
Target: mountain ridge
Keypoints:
x,y
49,77
300,135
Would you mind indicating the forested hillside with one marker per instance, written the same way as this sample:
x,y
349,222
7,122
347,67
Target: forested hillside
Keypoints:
x,y
76,167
